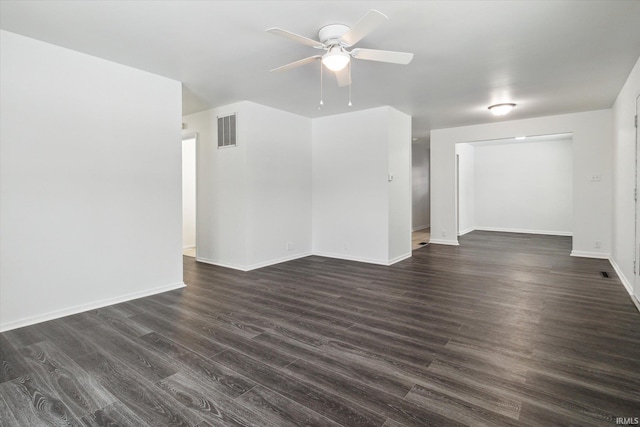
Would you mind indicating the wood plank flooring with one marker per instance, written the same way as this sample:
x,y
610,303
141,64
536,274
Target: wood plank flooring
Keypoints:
x,y
420,236
504,330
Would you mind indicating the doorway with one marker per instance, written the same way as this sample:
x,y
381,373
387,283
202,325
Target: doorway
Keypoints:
x,y
420,198
518,185
189,144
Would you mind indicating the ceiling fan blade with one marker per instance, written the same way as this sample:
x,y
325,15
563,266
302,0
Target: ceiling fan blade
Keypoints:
x,y
295,37
344,77
298,63
364,26
383,56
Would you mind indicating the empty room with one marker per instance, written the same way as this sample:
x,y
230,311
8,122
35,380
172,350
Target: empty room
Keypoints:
x,y
208,213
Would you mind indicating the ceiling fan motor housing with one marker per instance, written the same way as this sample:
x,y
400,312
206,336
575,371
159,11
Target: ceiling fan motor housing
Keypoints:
x,y
330,35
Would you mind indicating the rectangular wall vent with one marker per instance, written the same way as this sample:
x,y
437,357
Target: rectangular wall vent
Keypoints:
x,y
227,131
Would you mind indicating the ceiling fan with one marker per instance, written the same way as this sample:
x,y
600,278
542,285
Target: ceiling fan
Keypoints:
x,y
335,39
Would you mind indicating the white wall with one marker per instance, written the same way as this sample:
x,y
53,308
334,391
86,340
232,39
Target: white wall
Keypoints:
x,y
279,185
466,188
253,199
189,193
90,182
624,158
222,192
524,186
399,152
350,194
357,213
421,209
592,139
266,200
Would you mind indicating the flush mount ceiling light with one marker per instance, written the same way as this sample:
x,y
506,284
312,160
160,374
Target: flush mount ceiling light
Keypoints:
x,y
336,59
501,109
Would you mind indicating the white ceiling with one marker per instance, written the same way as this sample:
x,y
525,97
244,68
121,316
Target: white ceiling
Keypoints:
x,y
549,57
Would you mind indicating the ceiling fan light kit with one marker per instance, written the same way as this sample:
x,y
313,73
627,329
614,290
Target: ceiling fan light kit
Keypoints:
x,y
501,109
336,59
335,39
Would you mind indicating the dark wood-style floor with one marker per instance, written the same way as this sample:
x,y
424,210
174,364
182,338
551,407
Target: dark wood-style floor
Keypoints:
x,y
506,329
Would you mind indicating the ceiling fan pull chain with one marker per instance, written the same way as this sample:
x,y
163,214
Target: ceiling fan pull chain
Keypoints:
x,y
350,84
321,103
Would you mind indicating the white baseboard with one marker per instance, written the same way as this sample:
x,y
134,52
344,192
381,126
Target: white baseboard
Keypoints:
x,y
253,266
85,307
626,282
444,242
188,247
399,258
524,231
466,231
597,255
277,261
420,227
351,258
306,254
219,264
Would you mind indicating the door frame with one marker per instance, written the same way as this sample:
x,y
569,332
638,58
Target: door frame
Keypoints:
x,y
186,137
456,232
636,258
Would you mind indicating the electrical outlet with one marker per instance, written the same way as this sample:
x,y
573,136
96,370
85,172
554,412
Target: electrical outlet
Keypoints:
x,y
597,244
444,233
289,246
596,178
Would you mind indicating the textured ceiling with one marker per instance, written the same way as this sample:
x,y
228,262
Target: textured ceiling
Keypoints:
x,y
549,57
